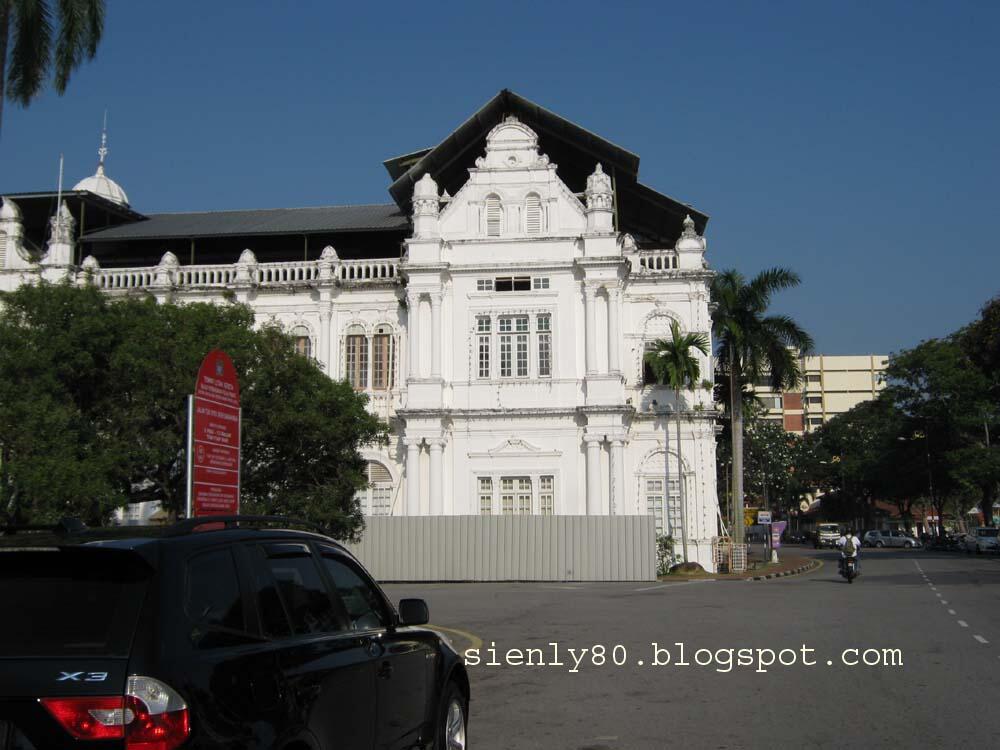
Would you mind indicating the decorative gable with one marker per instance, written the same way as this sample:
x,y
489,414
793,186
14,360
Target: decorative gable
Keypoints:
x,y
513,192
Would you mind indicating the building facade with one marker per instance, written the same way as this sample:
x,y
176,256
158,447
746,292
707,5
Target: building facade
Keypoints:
x,y
496,314
831,385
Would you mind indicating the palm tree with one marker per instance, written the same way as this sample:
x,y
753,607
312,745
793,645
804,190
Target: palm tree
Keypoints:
x,y
753,345
27,29
674,364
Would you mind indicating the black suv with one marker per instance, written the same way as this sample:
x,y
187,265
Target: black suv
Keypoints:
x,y
238,632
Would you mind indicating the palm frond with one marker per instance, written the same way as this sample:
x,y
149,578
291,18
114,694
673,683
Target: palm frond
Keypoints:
x,y
30,55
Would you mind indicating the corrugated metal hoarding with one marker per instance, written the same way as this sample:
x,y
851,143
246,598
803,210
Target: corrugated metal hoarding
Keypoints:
x,y
509,548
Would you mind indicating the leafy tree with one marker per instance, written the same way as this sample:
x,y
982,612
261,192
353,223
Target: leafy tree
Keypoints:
x,y
674,364
93,409
27,56
751,345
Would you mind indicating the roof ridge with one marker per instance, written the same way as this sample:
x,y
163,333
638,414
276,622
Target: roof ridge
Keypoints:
x,y
285,208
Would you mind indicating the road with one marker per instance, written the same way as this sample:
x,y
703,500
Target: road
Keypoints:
x,y
940,611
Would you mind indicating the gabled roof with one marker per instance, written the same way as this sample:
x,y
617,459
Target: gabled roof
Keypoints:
x,y
649,215
318,220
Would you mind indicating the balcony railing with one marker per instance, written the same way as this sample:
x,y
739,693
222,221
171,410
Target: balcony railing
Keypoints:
x,y
654,261
296,273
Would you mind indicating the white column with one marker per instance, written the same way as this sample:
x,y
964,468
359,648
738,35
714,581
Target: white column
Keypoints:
x,y
590,307
614,331
412,476
436,335
326,312
617,476
594,504
412,326
436,485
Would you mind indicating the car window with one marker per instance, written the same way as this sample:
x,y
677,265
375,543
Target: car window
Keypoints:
x,y
292,592
363,604
212,597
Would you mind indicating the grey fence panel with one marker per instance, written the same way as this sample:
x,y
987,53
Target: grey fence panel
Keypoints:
x,y
509,548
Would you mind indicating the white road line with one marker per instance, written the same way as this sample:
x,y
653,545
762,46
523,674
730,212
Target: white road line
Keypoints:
x,y
951,612
938,595
963,623
661,586
943,601
980,639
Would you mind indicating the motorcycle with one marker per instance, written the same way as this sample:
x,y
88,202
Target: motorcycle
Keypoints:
x,y
849,568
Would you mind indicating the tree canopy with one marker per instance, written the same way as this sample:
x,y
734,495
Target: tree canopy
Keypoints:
x,y
93,409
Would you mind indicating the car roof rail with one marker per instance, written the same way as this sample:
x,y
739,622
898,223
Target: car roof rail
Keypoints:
x,y
64,527
190,525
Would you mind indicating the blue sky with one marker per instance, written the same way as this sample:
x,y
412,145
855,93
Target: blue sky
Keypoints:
x,y
857,143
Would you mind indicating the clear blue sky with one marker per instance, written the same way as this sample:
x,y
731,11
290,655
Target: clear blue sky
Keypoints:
x,y
855,142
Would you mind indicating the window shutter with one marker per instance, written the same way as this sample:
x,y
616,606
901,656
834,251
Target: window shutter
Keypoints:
x,y
493,217
533,215
378,473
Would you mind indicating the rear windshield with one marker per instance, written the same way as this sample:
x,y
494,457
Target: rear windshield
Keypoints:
x,y
70,602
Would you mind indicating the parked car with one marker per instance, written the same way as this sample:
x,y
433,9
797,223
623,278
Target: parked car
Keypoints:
x,y
884,538
218,632
795,537
983,539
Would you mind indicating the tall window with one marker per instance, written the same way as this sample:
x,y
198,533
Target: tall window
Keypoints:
x,y
546,495
356,358
382,357
544,325
533,214
376,498
494,216
521,343
485,496
483,326
647,372
303,344
506,346
654,502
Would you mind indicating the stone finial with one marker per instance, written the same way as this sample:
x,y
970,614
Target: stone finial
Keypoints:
x,y
169,260
628,243
247,258
690,241
90,263
62,225
689,227
9,211
600,201
329,254
426,207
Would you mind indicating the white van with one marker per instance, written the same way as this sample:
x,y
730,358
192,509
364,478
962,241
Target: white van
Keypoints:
x,y
983,539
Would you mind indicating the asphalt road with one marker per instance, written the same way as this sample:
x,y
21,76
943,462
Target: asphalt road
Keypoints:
x,y
940,611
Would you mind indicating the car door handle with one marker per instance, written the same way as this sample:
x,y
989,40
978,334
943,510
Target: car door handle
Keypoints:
x,y
385,670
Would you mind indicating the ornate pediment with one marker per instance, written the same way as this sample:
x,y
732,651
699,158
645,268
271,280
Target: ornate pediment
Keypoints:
x,y
515,447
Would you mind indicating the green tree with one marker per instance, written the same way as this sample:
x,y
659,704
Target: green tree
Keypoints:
x,y
27,56
751,345
675,365
93,412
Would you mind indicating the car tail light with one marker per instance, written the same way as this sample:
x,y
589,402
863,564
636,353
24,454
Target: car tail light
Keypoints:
x,y
89,718
150,716
156,717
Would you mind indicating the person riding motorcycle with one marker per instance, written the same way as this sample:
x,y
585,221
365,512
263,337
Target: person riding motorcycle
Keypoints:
x,y
850,546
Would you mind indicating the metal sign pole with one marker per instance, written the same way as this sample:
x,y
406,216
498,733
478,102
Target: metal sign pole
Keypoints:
x,y
190,453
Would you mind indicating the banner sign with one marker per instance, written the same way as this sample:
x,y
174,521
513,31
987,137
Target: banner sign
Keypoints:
x,y
777,529
214,439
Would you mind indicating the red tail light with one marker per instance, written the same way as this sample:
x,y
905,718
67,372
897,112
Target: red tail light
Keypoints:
x,y
151,716
89,718
157,718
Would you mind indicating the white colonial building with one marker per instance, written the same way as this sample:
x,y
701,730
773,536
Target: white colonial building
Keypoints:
x,y
496,313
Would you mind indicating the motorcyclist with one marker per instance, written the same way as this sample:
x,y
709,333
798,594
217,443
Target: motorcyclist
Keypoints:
x,y
849,550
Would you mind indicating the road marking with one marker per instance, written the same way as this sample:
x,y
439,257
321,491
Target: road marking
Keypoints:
x,y
943,601
654,588
952,612
938,595
562,588
980,639
963,623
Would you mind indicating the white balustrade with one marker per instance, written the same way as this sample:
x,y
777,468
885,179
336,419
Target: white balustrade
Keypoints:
x,y
191,276
296,272
381,269
655,261
111,279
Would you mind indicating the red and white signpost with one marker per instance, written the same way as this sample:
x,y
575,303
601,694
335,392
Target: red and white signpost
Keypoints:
x,y
213,445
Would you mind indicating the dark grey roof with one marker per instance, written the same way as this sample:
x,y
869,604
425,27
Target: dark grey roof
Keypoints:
x,y
382,217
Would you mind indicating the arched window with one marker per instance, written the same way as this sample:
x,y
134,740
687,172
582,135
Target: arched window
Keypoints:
x,y
494,216
533,214
376,498
383,355
303,343
356,358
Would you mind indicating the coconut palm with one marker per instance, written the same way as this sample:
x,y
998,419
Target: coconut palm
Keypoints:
x,y
753,345
27,28
674,364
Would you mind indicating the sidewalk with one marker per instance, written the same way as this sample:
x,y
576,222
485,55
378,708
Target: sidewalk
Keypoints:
x,y
787,565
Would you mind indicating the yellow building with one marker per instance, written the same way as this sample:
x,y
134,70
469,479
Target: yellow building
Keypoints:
x,y
831,385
